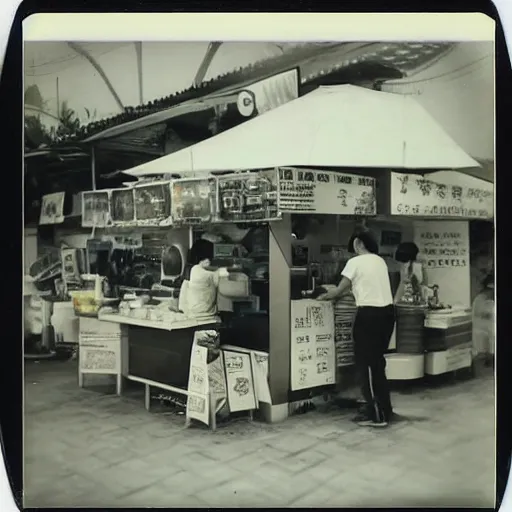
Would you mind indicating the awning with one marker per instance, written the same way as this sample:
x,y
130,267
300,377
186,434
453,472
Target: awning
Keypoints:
x,y
162,116
335,126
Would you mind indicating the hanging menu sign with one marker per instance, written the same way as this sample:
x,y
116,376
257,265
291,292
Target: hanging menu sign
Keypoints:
x,y
444,246
247,197
192,201
96,209
313,357
417,196
153,204
52,209
325,192
123,206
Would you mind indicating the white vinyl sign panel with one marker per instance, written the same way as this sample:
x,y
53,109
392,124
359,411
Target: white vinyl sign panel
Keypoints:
x,y
325,192
313,355
198,402
240,382
260,371
444,245
415,195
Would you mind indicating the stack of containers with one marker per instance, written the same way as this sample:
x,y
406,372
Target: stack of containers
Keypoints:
x,y
344,315
448,341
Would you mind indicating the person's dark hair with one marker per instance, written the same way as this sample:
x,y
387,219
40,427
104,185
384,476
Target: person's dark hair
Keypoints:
x,y
368,240
489,279
201,250
406,252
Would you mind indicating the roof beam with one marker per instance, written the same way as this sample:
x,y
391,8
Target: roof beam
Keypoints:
x,y
96,65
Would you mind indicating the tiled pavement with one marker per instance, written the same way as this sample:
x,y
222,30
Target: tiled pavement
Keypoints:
x,y
84,448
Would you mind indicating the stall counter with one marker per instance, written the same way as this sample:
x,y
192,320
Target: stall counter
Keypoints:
x,y
153,353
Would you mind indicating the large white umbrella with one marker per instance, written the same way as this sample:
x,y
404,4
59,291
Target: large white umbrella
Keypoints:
x,y
334,126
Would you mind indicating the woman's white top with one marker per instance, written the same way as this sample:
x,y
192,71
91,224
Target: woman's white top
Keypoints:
x,y
201,293
369,276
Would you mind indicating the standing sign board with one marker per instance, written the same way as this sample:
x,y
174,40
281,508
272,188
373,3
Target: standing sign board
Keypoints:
x,y
240,381
99,349
325,192
444,245
247,197
206,382
417,196
198,402
192,200
313,356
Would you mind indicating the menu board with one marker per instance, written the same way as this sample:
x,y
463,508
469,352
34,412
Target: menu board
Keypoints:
x,y
96,209
123,206
325,192
417,196
313,357
192,200
247,197
153,204
52,209
240,382
444,246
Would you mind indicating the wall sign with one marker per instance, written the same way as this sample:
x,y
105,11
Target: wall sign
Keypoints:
x,y
313,357
96,209
444,245
247,197
52,209
417,196
240,381
192,201
325,192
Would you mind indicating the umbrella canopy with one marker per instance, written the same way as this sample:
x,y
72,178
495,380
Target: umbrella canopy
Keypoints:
x,y
334,126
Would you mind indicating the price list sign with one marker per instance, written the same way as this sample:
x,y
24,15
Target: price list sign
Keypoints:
x,y
312,350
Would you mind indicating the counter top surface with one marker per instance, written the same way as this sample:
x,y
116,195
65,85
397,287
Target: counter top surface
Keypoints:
x,y
185,324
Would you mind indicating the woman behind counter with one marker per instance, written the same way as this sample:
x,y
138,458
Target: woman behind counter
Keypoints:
x,y
367,274
202,285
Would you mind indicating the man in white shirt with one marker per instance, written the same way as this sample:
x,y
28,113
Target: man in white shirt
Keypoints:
x,y
367,275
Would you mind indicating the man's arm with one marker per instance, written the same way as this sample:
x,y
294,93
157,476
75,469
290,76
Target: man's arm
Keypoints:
x,y
340,290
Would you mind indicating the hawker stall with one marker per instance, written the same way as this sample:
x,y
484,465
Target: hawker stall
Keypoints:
x,y
170,265
328,182
314,188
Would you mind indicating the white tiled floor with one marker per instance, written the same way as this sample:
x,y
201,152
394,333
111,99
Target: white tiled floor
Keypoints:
x,y
84,448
